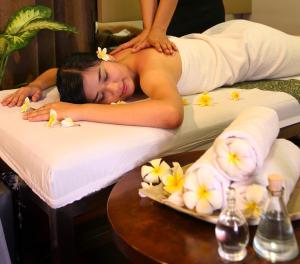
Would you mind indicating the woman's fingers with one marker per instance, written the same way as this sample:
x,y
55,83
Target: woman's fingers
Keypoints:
x,y
41,114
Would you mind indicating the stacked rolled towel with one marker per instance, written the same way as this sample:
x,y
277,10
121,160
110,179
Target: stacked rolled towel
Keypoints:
x,y
247,152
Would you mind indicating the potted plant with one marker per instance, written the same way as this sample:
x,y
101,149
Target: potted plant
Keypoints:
x,y
23,27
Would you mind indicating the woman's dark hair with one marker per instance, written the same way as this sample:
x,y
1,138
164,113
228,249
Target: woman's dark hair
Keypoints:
x,y
69,77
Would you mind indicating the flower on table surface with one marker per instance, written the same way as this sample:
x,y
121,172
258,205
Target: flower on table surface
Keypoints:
x,y
152,174
52,119
235,96
102,54
185,101
204,99
173,182
251,200
26,105
202,193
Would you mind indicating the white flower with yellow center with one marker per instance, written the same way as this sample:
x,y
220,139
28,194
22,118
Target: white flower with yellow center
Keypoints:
x,y
119,102
173,182
68,122
102,54
52,119
202,193
235,96
153,174
204,99
251,200
26,105
233,158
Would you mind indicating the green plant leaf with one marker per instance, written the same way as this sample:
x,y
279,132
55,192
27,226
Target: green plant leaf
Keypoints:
x,y
26,15
47,24
18,42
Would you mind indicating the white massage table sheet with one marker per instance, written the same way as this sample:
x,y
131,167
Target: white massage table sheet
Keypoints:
x,y
62,165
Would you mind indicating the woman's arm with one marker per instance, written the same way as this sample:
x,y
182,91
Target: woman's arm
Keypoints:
x,y
33,89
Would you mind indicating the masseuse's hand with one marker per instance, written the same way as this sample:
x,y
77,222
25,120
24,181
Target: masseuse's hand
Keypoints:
x,y
62,109
157,39
17,98
133,42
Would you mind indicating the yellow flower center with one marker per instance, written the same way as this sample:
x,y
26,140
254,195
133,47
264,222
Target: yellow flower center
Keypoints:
x,y
252,209
174,183
233,158
157,170
203,192
205,99
235,96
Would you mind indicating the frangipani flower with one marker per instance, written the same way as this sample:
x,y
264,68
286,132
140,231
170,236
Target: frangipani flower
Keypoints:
x,y
233,158
102,54
235,96
26,106
204,99
251,200
185,101
52,119
202,192
176,198
119,102
68,122
174,182
153,174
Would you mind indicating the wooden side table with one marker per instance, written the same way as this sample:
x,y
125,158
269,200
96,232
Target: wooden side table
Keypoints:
x,y
148,232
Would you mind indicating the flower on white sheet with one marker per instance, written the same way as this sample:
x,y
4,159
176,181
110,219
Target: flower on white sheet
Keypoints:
x,y
173,182
68,122
233,158
26,105
52,118
202,193
102,54
119,102
153,174
204,99
185,101
235,95
251,200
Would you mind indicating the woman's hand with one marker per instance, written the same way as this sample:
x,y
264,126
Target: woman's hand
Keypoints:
x,y
132,43
17,98
62,109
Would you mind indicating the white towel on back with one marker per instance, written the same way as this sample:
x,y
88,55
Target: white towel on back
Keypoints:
x,y
245,143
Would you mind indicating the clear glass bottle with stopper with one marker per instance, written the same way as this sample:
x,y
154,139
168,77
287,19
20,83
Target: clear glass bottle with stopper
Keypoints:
x,y
274,239
232,230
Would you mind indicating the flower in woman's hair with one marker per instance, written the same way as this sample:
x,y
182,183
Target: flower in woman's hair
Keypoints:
x,y
68,122
173,182
235,96
185,101
204,99
26,105
52,119
202,193
251,200
102,54
153,174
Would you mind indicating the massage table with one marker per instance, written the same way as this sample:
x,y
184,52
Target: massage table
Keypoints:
x,y
70,171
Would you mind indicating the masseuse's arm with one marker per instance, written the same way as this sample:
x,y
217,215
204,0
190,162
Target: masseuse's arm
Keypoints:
x,y
33,89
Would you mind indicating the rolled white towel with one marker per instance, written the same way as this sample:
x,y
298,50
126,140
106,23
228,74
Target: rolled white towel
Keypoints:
x,y
243,146
283,159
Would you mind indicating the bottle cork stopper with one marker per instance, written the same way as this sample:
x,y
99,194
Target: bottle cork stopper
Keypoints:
x,y
275,182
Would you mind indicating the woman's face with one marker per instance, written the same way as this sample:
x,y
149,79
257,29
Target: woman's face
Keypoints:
x,y
108,82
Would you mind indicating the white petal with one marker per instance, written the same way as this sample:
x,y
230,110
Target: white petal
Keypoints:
x,y
255,193
164,167
176,198
155,163
145,185
146,170
190,199
204,207
216,199
151,178
191,181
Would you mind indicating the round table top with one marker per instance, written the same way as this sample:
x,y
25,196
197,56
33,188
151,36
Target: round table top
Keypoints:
x,y
146,231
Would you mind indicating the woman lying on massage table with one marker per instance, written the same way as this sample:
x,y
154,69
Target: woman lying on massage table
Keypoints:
x,y
227,53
